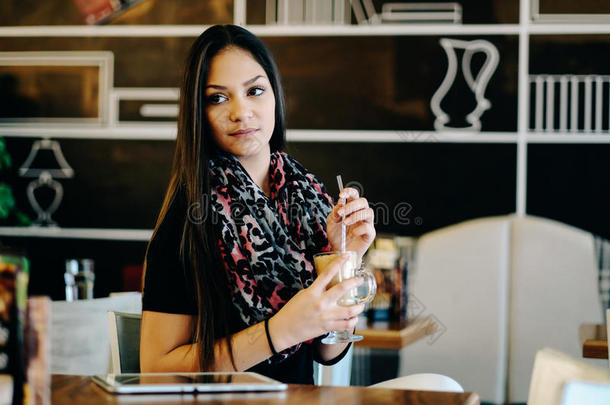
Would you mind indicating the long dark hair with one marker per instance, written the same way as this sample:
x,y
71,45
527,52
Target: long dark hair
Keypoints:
x,y
190,175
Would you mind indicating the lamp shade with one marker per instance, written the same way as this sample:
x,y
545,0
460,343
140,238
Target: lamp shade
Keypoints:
x,y
46,156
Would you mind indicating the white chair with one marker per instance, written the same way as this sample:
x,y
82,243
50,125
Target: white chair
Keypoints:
x,y
461,277
553,290
80,341
124,331
338,375
552,376
422,382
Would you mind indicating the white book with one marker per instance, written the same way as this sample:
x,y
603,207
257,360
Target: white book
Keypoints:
x,y
422,12
358,12
310,8
323,13
342,13
296,14
369,9
271,12
283,11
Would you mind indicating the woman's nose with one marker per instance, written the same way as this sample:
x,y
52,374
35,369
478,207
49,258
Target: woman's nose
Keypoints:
x,y
240,110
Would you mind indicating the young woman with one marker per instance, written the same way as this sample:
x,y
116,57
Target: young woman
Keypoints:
x,y
229,278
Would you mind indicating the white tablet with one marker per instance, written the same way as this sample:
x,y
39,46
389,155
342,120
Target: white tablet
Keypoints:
x,y
147,383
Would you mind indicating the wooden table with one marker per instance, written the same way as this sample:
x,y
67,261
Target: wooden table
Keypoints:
x,y
594,341
76,390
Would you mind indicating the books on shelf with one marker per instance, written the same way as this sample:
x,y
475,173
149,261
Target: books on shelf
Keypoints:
x,y
325,12
96,11
422,12
101,11
307,12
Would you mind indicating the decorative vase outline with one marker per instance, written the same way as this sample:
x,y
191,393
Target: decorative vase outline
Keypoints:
x,y
477,85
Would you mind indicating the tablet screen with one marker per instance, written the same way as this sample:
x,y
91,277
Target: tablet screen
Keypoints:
x,y
229,378
187,382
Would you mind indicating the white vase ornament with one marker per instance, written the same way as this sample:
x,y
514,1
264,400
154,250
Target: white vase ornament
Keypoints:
x,y
476,84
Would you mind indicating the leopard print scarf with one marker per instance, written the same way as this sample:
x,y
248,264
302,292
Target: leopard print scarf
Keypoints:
x,y
267,243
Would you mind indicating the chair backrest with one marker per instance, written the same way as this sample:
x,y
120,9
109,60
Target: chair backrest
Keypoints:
x,y
461,279
422,382
553,290
338,375
552,373
124,341
79,333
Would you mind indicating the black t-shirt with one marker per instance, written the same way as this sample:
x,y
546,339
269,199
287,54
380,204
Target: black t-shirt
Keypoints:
x,y
167,288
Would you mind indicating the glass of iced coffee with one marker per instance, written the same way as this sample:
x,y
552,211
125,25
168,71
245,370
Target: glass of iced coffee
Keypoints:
x,y
362,294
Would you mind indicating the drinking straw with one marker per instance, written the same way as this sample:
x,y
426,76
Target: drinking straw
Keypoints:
x,y
340,183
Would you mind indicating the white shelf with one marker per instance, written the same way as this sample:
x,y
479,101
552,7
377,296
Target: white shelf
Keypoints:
x,y
559,138
565,29
385,29
84,131
409,29
260,30
137,235
168,132
400,136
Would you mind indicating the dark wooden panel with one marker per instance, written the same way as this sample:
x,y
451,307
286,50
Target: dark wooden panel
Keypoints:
x,y
384,82
47,262
330,83
420,186
574,7
135,64
117,184
49,91
575,54
570,183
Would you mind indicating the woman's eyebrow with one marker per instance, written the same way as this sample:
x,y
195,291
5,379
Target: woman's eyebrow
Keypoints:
x,y
247,82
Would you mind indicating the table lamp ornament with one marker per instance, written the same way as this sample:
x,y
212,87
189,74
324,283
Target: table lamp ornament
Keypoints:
x,y
44,177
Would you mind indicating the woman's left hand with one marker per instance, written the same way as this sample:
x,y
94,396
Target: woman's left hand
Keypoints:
x,y
359,222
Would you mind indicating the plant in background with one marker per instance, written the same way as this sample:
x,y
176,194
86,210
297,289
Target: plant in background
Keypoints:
x,y
9,214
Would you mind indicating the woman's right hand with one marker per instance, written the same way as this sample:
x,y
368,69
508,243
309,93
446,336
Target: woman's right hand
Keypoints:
x,y
314,311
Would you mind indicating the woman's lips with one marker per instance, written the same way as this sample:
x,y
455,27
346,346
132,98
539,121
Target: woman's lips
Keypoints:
x,y
246,131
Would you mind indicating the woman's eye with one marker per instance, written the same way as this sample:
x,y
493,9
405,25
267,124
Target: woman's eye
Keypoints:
x,y
216,99
256,91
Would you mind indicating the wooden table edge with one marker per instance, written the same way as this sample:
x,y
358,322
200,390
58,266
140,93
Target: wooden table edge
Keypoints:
x,y
80,388
595,349
397,339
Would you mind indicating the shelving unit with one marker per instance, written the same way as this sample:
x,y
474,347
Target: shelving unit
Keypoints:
x,y
137,235
521,138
